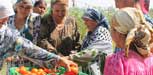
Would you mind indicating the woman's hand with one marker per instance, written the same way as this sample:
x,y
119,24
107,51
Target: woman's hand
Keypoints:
x,y
9,59
67,63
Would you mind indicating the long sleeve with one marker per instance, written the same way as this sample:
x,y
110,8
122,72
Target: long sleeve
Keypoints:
x,y
45,29
89,54
32,50
97,43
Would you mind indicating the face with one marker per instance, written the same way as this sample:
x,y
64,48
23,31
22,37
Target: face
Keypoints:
x,y
118,38
59,11
40,9
3,21
23,9
91,24
124,3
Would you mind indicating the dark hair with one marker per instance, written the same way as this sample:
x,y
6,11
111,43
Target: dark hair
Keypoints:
x,y
40,2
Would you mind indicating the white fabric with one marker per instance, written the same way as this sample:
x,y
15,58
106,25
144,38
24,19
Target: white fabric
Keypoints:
x,y
6,9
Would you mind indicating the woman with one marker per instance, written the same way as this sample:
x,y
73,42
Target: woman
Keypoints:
x,y
59,32
26,22
96,45
133,34
143,5
11,42
40,7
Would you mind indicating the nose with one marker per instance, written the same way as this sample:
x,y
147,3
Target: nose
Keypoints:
x,y
60,14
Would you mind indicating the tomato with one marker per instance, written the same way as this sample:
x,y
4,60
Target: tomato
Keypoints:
x,y
74,69
70,73
34,70
22,70
47,70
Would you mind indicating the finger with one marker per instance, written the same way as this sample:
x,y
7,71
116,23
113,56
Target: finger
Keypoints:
x,y
68,68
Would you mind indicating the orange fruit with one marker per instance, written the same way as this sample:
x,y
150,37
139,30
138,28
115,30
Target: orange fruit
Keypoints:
x,y
74,68
22,70
34,70
17,69
40,70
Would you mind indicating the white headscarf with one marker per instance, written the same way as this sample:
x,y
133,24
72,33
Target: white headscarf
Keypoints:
x,y
6,9
130,21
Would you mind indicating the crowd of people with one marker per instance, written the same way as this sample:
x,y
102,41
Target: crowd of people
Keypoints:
x,y
26,30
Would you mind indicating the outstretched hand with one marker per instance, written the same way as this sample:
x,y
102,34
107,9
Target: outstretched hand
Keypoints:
x,y
67,63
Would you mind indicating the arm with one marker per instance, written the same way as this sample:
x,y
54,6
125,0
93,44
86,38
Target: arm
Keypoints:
x,y
32,50
92,51
35,52
43,37
101,43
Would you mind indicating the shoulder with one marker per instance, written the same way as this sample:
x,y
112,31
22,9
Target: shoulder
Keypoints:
x,y
70,19
11,32
102,29
34,14
34,17
46,19
11,20
46,16
102,33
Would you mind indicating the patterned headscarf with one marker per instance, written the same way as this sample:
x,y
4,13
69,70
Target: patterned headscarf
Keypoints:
x,y
131,22
28,2
96,16
6,9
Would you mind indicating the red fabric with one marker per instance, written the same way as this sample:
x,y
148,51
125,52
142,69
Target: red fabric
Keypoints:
x,y
145,6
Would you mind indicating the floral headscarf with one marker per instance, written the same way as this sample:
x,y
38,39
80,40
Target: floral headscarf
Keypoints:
x,y
131,22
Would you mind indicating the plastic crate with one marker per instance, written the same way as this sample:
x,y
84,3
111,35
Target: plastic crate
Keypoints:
x,y
12,71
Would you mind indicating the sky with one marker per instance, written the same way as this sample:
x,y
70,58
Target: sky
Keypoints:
x,y
101,3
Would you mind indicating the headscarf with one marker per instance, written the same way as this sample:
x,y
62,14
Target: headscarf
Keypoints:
x,y
27,2
64,2
145,6
131,22
6,9
96,16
